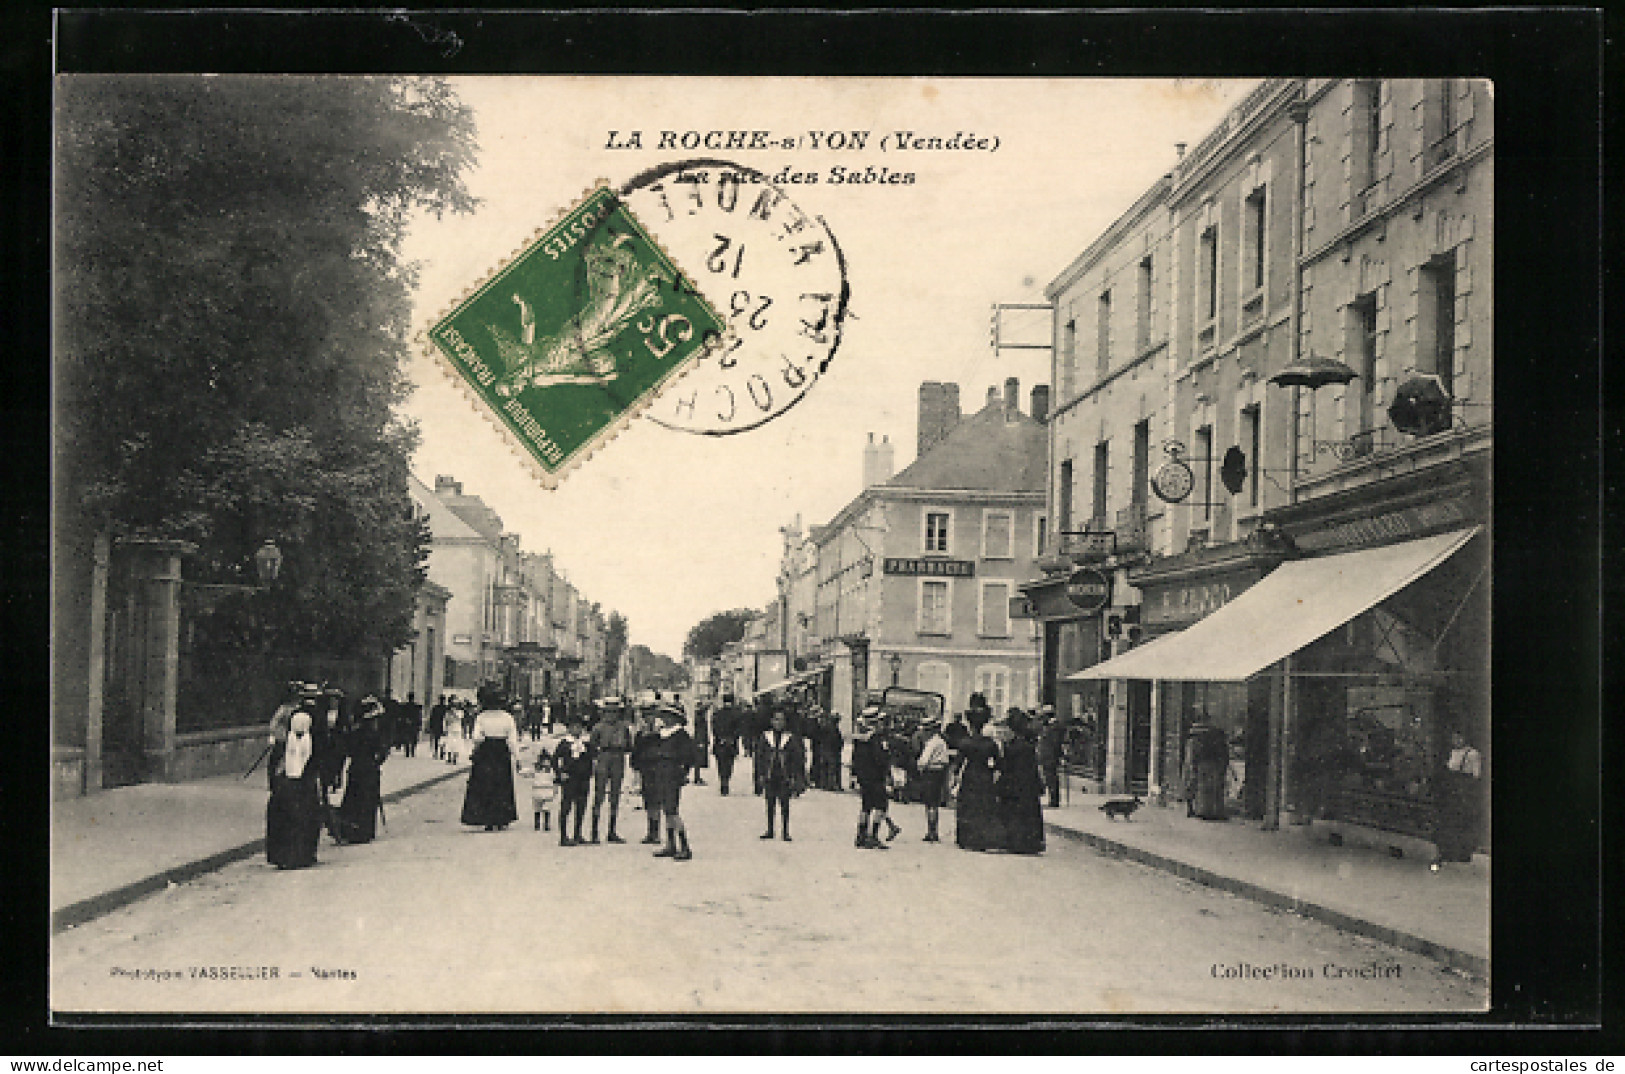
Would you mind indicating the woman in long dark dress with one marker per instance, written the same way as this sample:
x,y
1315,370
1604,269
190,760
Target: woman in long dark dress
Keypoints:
x,y
976,821
489,802
293,820
1020,790
366,747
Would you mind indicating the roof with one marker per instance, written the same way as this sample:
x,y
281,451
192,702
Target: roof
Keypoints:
x,y
444,524
989,451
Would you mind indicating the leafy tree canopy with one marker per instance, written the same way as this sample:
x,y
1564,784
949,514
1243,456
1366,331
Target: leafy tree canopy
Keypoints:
x,y
710,634
232,318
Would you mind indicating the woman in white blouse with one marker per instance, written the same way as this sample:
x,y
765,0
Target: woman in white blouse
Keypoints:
x,y
490,802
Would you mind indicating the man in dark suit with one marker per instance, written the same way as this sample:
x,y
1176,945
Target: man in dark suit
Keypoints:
x,y
782,762
725,741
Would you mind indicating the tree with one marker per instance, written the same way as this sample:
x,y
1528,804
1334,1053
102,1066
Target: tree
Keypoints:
x,y
233,313
710,634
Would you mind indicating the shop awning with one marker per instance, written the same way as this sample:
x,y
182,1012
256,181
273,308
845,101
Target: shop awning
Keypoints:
x,y
1294,605
804,676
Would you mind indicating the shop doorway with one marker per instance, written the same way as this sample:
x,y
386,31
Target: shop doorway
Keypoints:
x,y
1139,736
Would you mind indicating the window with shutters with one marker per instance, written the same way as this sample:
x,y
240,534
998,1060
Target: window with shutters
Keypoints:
x,y
935,606
998,536
995,612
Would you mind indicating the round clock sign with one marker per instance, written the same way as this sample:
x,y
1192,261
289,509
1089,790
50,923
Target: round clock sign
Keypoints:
x,y
1173,482
772,269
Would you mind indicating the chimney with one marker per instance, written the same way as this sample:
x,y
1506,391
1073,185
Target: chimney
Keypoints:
x,y
1012,395
992,395
939,413
444,485
877,462
1040,407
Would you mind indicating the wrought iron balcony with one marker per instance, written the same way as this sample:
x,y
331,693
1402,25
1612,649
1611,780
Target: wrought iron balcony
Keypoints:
x,y
1132,529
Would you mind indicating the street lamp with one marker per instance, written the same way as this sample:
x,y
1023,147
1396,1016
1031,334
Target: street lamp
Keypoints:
x,y
896,662
268,563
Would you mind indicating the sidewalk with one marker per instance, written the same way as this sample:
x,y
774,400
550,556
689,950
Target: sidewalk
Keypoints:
x,y
113,847
1400,901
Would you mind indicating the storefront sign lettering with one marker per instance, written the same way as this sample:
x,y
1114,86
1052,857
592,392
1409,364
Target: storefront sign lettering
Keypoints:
x,y
948,568
1187,603
1391,526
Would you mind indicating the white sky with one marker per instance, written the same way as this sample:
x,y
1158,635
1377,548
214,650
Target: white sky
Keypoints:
x,y
667,527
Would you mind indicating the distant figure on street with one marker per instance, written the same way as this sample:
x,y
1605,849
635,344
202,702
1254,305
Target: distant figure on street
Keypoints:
x,y
468,720
932,764
411,724
871,767
611,741
645,743
293,820
573,761
489,800
543,789
673,757
437,725
1049,753
1019,790
976,825
366,748
725,742
702,743
785,770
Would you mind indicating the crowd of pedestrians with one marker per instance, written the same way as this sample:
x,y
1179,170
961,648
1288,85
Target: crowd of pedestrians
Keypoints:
x,y
326,755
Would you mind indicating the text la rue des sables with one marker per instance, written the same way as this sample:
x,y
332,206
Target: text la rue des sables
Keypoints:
x,y
851,141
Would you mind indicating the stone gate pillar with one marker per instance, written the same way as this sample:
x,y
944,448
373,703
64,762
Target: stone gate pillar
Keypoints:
x,y
155,572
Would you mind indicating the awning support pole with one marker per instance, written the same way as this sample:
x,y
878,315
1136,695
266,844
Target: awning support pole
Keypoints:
x,y
1459,606
1280,701
1154,776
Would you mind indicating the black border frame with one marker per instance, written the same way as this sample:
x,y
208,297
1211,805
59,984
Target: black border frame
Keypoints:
x,y
1551,541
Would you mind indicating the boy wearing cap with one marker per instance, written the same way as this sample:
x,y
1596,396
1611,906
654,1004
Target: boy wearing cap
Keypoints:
x,y
612,741
573,764
673,757
933,766
872,769
785,767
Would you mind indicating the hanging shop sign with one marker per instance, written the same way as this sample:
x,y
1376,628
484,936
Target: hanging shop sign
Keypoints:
x,y
1089,589
1173,482
1023,607
944,568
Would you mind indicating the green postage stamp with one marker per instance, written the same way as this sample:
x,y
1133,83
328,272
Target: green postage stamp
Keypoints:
x,y
577,333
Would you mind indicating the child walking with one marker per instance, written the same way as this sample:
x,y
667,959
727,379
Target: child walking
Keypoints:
x,y
872,769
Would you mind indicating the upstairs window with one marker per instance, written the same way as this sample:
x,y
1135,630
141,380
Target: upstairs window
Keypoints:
x,y
995,610
1208,267
1438,121
1257,239
1367,131
1103,335
934,605
1142,309
998,538
937,527
1103,452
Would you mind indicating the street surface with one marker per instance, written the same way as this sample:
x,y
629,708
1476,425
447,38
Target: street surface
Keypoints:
x,y
434,917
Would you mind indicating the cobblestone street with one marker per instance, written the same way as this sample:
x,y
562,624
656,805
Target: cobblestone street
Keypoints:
x,y
434,917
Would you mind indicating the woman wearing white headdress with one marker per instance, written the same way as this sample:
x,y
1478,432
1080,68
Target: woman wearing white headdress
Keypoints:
x,y
293,823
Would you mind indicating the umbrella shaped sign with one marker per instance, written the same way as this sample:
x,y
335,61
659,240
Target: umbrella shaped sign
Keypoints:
x,y
1421,406
1313,373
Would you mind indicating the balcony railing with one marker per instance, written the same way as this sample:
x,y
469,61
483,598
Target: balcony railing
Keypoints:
x,y
1132,525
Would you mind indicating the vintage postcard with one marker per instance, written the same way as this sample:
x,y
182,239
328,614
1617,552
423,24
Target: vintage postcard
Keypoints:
x,y
712,546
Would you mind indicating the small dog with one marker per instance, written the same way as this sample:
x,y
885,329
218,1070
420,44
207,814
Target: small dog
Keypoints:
x,y
1121,807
